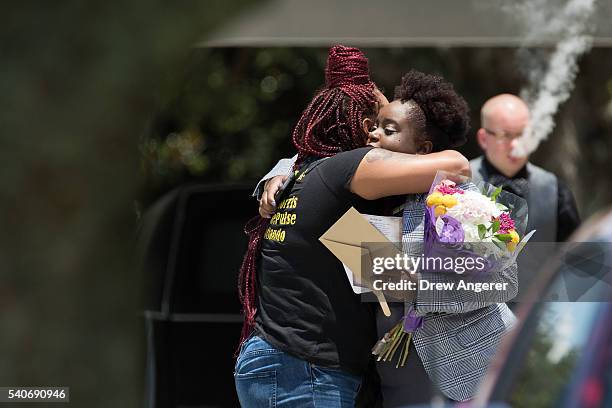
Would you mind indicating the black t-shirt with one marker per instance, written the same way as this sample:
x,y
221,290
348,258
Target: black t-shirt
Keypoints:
x,y
306,305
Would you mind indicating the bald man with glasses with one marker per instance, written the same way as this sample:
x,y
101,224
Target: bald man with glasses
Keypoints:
x,y
503,119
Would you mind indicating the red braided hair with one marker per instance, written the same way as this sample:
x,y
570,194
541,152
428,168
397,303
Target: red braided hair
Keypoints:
x,y
331,123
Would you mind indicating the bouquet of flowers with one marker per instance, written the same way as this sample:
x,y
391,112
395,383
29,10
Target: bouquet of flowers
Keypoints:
x,y
462,219
467,215
480,219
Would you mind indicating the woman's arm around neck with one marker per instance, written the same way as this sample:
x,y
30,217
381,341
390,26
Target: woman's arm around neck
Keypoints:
x,y
384,173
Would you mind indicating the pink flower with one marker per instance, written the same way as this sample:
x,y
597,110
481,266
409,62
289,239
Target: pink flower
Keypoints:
x,y
448,187
505,223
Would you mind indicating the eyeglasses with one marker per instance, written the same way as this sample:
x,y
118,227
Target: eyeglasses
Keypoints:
x,y
502,137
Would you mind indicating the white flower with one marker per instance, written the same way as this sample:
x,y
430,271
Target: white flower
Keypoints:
x,y
472,209
471,233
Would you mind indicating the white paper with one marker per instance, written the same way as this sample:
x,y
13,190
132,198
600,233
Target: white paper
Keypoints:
x,y
357,289
390,227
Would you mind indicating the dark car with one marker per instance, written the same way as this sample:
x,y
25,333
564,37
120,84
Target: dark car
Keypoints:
x,y
192,244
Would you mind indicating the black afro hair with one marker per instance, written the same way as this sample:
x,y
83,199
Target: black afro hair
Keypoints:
x,y
446,112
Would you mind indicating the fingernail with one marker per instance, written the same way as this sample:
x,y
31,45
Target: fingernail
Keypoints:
x,y
273,203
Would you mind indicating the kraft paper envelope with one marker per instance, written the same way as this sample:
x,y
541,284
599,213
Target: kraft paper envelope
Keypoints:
x,y
353,240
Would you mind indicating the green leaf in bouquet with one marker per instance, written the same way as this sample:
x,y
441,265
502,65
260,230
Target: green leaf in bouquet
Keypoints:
x,y
500,245
496,193
504,237
482,231
501,207
495,226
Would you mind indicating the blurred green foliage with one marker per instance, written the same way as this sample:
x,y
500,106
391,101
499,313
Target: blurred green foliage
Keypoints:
x,y
546,371
235,107
542,379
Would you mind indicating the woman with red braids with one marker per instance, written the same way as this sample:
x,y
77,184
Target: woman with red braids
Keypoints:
x,y
307,337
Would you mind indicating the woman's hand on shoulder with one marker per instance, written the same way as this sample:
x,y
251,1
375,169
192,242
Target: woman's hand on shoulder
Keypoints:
x,y
267,204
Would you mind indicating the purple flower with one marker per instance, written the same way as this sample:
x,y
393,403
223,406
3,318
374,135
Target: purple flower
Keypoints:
x,y
412,321
452,232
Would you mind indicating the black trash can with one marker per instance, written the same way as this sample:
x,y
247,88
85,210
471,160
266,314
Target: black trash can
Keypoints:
x,y
191,243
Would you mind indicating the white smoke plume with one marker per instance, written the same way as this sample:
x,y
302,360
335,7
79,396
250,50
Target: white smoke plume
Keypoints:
x,y
550,75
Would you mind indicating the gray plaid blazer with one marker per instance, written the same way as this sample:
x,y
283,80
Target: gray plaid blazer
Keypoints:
x,y
461,329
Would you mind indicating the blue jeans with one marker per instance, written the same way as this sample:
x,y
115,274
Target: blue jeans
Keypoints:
x,y
267,377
